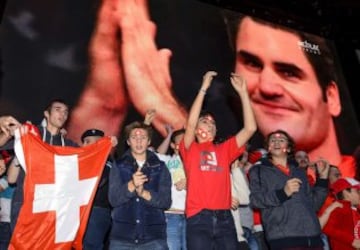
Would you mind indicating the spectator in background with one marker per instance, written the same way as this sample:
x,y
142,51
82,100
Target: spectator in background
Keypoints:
x,y
334,175
175,216
240,199
329,204
303,160
342,226
99,223
288,204
247,215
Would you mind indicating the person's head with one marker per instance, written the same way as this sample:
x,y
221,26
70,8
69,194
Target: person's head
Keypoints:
x,y
291,78
279,143
138,137
302,159
56,114
175,139
205,127
334,174
91,136
347,189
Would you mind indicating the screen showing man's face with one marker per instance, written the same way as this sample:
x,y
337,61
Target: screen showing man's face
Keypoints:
x,y
278,74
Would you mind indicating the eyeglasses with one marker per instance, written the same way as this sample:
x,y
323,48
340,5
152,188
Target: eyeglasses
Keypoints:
x,y
279,140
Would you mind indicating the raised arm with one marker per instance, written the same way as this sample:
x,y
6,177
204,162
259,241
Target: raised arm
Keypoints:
x,y
149,116
164,146
196,107
239,84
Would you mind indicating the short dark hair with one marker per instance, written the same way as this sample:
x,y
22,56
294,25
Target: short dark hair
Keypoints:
x,y
176,133
51,103
134,125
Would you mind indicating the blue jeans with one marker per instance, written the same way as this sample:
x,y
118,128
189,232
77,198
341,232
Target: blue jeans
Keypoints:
x,y
97,228
152,245
251,239
211,230
14,214
261,240
176,231
324,238
5,235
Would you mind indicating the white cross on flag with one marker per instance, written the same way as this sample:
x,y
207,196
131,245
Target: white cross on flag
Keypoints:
x,y
59,187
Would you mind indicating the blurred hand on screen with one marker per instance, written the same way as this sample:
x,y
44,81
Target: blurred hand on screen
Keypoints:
x,y
125,65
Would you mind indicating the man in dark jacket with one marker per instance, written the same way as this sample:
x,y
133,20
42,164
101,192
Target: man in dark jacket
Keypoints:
x,y
139,192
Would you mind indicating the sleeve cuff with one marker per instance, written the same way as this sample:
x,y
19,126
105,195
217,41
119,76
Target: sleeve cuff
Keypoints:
x,y
282,196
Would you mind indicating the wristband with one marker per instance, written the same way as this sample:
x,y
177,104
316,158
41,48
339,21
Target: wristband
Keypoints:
x,y
203,91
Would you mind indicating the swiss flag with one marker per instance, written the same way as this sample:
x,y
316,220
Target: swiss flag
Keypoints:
x,y
59,187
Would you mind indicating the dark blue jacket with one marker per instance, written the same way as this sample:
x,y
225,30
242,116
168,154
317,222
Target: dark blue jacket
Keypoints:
x,y
135,219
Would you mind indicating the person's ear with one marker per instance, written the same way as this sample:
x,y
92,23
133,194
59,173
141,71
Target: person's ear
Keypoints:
x,y
127,142
46,114
333,99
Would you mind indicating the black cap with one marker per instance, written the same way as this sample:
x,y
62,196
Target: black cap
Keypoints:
x,y
92,132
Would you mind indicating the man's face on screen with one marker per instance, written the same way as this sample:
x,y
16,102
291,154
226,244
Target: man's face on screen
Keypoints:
x,y
283,87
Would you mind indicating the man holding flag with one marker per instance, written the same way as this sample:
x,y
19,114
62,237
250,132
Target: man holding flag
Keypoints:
x,y
59,188
55,116
59,185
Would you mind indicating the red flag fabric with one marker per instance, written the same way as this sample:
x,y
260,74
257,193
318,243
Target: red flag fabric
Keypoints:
x,y
59,187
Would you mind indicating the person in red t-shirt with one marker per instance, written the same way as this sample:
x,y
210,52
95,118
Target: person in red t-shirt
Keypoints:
x,y
207,165
343,223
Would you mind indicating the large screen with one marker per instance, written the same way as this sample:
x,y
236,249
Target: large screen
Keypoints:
x,y
113,63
